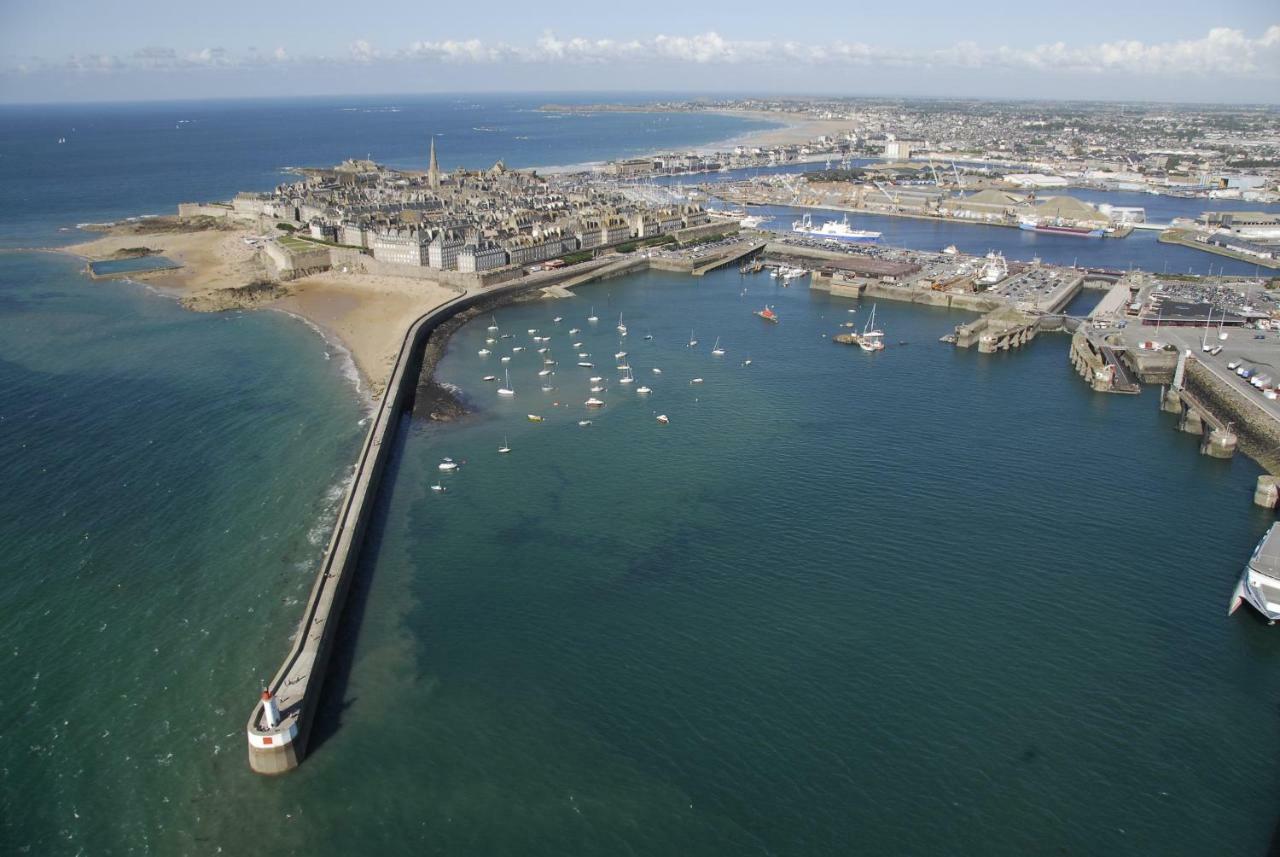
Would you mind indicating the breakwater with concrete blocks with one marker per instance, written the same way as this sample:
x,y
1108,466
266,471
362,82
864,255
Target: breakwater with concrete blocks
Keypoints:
x,y
280,724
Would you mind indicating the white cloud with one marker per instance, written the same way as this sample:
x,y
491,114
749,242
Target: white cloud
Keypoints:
x,y
1222,51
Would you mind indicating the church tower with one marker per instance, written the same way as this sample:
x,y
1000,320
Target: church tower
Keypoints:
x,y
433,168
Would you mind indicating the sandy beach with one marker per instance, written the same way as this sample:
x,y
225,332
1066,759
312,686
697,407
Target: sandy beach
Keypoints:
x,y
796,129
366,315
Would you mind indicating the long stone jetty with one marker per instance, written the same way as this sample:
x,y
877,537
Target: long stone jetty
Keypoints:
x,y
280,724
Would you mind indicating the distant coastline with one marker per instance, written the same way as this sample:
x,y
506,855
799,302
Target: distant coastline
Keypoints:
x,y
787,129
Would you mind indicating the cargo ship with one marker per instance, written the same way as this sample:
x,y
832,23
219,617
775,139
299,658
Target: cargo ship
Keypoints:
x,y
1060,229
833,230
768,314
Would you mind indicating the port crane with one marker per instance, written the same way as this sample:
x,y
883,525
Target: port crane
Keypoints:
x,y
937,181
880,187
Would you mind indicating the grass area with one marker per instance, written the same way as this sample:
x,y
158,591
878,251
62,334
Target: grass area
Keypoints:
x,y
295,244
323,243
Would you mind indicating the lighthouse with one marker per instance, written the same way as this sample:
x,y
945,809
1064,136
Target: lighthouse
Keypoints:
x,y
269,710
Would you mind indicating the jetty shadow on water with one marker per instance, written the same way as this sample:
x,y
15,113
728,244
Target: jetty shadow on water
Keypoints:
x,y
333,697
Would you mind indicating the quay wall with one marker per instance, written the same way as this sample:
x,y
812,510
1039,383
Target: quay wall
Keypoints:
x,y
929,297
1258,432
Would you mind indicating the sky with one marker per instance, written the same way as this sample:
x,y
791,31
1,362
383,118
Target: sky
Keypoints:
x,y
128,50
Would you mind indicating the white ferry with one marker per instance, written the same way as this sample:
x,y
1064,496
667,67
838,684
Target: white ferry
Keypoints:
x,y
1260,583
833,230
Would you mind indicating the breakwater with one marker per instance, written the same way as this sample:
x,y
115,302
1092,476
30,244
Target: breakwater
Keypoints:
x,y
279,725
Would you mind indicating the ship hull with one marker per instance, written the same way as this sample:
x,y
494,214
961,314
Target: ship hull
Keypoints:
x,y
844,239
1061,230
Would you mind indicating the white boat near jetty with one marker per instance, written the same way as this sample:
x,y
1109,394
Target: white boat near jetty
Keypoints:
x,y
833,230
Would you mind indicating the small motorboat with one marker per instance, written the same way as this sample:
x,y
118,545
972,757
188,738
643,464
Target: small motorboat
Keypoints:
x,y
517,349
490,377
643,390
490,341
547,388
545,372
593,402
662,418
506,359
587,365
557,319
484,352
438,488
584,423
577,345
595,379
584,354
534,418
746,362
657,371
532,331
648,336
768,314
448,464
597,389
696,381
619,355
574,330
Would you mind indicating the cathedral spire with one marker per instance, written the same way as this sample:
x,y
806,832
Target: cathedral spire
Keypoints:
x,y
433,167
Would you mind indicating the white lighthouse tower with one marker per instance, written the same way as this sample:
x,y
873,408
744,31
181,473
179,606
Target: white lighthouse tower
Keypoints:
x,y
269,710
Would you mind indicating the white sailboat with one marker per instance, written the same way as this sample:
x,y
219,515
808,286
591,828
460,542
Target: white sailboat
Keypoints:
x,y
506,390
494,324
627,377
717,350
504,448
871,339
592,318
622,328
692,341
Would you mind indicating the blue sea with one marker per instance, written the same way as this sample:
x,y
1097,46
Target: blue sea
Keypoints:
x,y
920,602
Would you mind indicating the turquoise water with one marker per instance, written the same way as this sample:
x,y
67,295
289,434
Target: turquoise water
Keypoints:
x,y
170,478
131,266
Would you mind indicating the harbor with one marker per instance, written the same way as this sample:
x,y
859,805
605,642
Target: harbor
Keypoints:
x,y
549,646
